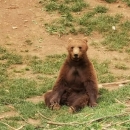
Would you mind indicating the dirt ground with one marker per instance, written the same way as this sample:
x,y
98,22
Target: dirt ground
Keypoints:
x,y
24,20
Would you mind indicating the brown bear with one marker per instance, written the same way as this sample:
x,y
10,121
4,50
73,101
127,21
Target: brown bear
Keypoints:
x,y
76,85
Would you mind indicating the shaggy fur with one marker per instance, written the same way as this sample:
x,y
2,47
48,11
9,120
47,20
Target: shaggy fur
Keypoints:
x,y
76,85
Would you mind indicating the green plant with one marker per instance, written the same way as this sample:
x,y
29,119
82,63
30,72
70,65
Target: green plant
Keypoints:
x,y
125,26
2,50
116,41
46,66
121,66
78,6
103,73
110,1
127,2
51,6
11,58
100,9
104,23
28,42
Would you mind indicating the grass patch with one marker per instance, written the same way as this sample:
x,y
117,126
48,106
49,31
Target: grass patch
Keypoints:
x,y
78,5
64,6
121,66
2,50
28,42
46,67
103,73
110,1
17,90
127,2
6,60
3,72
125,26
11,58
117,41
27,109
100,9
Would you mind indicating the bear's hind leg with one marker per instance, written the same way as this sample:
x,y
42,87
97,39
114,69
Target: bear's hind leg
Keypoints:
x,y
77,101
47,98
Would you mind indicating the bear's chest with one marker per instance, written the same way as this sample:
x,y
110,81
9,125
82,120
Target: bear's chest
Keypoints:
x,y
73,76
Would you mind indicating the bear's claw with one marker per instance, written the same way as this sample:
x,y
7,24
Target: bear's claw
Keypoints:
x,y
72,110
55,106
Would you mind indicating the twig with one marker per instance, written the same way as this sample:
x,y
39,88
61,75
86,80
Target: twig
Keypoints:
x,y
121,82
20,127
25,120
61,124
122,103
123,122
101,118
44,116
88,115
106,127
8,125
11,126
89,122
54,128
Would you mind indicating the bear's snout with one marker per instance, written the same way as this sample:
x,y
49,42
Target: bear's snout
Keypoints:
x,y
76,55
76,52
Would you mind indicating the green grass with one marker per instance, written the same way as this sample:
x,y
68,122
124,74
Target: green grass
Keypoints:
x,y
110,1
127,2
11,58
117,41
121,66
64,6
103,73
107,107
100,9
40,66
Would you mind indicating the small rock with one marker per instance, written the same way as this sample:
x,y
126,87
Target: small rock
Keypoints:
x,y
113,28
14,27
25,21
100,86
121,85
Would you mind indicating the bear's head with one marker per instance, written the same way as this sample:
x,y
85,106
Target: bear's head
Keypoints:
x,y
77,48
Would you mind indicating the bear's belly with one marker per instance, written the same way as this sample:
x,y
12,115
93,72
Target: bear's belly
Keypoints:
x,y
74,81
76,85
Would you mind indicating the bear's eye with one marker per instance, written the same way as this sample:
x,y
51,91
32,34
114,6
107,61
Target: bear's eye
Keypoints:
x,y
72,47
80,47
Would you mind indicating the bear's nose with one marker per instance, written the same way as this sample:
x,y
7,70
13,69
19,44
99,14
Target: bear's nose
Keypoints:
x,y
75,55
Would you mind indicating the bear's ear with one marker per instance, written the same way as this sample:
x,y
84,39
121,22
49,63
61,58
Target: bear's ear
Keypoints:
x,y
85,39
70,39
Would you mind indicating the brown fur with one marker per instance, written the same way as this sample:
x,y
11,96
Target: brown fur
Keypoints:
x,y
76,85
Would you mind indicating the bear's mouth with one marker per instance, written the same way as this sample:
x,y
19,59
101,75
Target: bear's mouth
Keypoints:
x,y
76,58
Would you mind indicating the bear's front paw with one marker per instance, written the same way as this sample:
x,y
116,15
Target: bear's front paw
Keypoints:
x,y
92,104
54,102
